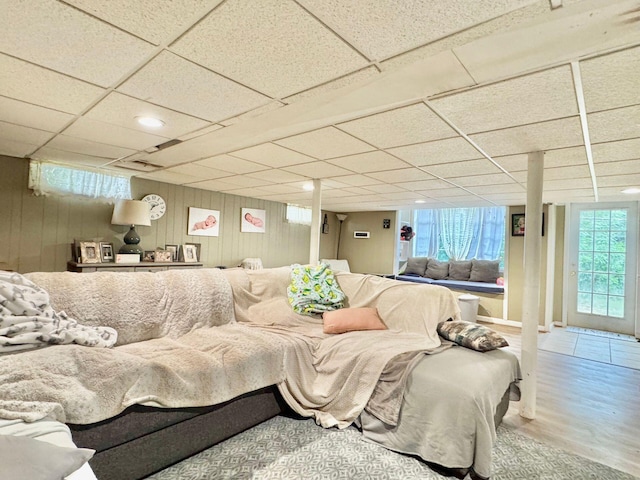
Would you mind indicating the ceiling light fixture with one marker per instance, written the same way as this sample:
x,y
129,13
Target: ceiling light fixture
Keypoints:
x,y
308,187
421,201
631,191
150,122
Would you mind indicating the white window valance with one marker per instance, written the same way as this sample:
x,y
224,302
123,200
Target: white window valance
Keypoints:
x,y
296,214
46,178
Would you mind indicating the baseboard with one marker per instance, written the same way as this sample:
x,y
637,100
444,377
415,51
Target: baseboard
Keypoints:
x,y
508,323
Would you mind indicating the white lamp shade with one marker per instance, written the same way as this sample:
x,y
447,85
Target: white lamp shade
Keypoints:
x,y
131,212
341,216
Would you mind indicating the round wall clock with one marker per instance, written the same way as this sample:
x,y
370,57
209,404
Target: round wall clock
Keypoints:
x,y
157,205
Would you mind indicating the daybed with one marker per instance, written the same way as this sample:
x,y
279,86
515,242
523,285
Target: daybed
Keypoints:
x,y
204,354
470,275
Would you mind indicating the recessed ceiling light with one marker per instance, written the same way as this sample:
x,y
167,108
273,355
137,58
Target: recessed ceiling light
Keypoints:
x,y
308,187
150,122
421,201
631,191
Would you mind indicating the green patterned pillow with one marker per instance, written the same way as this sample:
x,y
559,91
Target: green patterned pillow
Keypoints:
x,y
471,335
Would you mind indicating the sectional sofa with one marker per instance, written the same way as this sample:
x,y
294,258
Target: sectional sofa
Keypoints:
x,y
204,354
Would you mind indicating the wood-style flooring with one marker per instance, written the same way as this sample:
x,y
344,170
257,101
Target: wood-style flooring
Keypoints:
x,y
587,407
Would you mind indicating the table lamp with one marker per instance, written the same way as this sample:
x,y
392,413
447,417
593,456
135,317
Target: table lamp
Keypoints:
x,y
132,213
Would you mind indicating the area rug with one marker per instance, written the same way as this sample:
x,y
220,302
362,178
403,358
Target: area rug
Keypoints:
x,y
285,448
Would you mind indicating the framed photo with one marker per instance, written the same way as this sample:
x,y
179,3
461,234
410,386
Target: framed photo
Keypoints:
x,y
198,246
149,256
189,253
89,252
174,252
203,222
106,252
163,256
517,224
253,220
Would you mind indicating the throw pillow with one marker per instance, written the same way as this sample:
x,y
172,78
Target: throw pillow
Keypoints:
x,y
416,266
39,460
485,270
471,335
352,319
460,270
437,270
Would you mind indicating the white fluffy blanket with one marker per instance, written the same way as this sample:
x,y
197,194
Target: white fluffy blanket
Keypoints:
x,y
28,321
332,377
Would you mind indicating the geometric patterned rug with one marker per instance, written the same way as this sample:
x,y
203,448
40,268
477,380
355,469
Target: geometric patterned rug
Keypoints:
x,y
286,448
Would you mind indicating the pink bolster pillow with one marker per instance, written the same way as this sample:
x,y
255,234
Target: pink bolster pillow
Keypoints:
x,y
352,319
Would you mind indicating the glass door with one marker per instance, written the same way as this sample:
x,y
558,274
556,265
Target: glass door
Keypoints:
x,y
602,267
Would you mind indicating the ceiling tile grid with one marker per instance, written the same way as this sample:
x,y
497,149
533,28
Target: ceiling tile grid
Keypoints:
x,y
376,161
437,152
325,143
27,115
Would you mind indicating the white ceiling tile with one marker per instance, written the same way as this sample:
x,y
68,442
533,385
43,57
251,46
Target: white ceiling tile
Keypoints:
x,y
18,133
39,86
269,107
491,189
462,169
200,132
214,185
616,151
245,181
101,132
549,95
325,143
402,126
616,124
359,180
15,149
376,161
531,138
611,81
563,184
122,110
156,22
48,153
252,192
231,164
626,167
279,176
439,151
432,184
176,83
567,173
172,177
384,28
272,155
86,147
273,46
618,181
476,180
385,188
278,189
317,170
198,171
405,196
56,36
330,183
403,175
350,79
27,115
337,193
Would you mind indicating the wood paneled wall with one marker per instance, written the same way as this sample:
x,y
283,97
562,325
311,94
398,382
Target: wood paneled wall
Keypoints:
x,y
35,232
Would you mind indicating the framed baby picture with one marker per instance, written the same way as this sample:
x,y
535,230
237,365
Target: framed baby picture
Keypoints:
x,y
253,220
203,222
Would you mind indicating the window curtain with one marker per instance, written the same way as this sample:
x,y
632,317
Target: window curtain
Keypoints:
x,y
296,214
53,179
463,233
427,231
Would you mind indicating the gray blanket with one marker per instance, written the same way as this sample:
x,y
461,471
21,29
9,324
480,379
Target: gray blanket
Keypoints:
x,y
28,321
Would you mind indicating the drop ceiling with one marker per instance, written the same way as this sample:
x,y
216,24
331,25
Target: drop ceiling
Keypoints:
x,y
386,102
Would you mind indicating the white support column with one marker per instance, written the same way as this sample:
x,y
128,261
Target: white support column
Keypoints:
x,y
316,210
531,295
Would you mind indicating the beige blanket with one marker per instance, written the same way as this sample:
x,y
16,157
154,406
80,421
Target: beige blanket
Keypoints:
x,y
179,348
332,377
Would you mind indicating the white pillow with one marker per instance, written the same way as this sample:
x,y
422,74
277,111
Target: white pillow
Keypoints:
x,y
26,458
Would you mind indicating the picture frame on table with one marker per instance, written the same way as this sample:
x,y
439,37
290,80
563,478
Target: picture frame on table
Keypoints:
x,y
189,253
149,256
175,252
106,252
89,252
198,249
163,256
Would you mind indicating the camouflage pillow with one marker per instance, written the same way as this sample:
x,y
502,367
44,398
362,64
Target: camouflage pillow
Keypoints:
x,y
471,335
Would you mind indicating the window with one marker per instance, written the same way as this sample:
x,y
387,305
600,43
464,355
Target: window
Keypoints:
x,y
51,178
460,233
296,214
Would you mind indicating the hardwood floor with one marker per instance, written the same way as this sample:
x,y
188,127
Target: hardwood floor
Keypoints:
x,y
583,406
